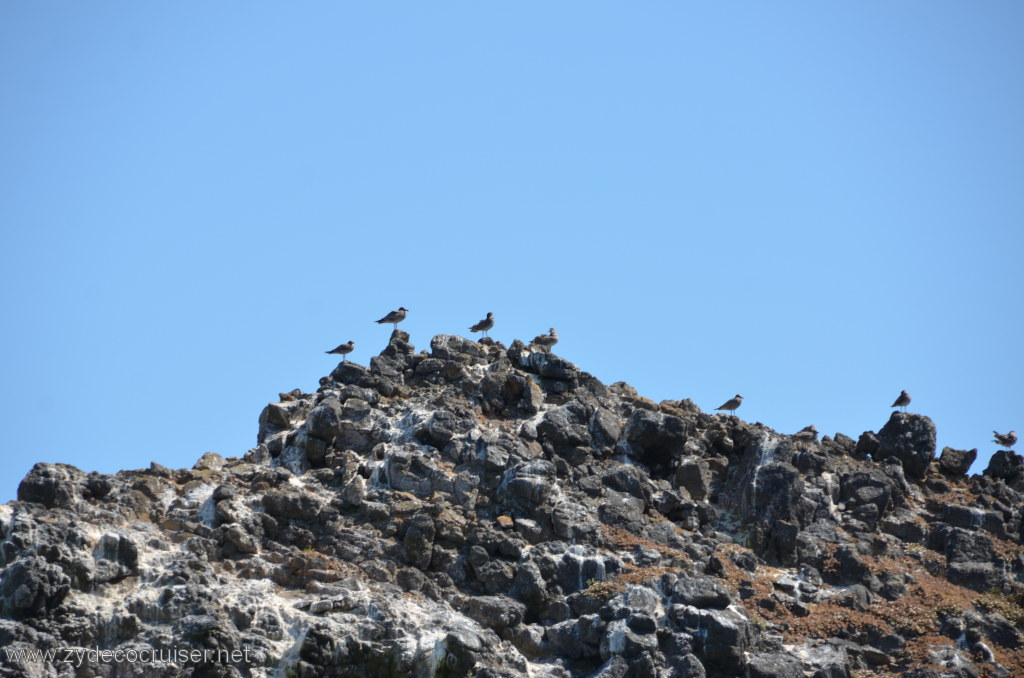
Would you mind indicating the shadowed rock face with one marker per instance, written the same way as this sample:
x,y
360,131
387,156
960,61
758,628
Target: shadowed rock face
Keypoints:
x,y
482,511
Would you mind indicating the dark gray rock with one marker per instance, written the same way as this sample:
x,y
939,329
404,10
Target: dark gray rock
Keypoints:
x,y
726,636
409,470
116,557
576,638
51,485
979,577
703,592
31,586
870,491
956,462
566,425
774,666
910,438
694,476
290,505
495,612
1004,465
351,373
449,347
687,666
656,438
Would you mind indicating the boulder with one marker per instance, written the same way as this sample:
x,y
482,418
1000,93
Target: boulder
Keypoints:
x,y
956,462
51,485
1005,465
31,586
910,438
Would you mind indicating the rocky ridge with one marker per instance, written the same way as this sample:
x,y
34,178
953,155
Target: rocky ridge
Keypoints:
x,y
478,510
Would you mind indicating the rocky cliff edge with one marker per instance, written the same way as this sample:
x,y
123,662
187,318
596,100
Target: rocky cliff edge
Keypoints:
x,y
478,510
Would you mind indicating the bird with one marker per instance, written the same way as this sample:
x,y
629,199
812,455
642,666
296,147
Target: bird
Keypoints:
x,y
732,403
1006,440
808,433
546,341
484,325
343,350
902,401
394,317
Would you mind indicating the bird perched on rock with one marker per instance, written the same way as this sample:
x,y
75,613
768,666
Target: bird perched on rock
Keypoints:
x,y
732,403
484,325
394,317
1006,440
902,401
546,341
343,350
808,433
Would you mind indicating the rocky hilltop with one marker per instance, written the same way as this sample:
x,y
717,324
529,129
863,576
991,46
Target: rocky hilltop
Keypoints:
x,y
478,510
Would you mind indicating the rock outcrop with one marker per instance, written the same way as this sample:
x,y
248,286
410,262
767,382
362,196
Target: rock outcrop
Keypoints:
x,y
478,510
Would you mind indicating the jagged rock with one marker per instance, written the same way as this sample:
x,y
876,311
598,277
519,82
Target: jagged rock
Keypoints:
x,y
910,438
447,347
726,636
31,586
867,445
694,476
495,612
956,462
463,511
51,485
979,577
210,461
656,438
774,666
1004,464
700,593
869,493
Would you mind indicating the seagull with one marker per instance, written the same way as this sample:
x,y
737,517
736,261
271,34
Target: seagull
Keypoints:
x,y
546,341
394,317
902,401
484,325
732,403
343,350
1006,440
808,433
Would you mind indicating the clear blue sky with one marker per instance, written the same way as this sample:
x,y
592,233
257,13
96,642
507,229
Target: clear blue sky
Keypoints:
x,y
812,204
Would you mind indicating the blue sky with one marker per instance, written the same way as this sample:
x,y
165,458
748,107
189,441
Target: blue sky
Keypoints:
x,y
813,204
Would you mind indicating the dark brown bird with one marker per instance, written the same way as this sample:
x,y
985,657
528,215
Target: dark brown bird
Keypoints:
x,y
808,433
546,341
732,403
343,350
394,317
902,401
484,325
1006,440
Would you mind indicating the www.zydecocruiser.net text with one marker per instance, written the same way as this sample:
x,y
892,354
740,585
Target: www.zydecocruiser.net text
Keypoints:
x,y
79,656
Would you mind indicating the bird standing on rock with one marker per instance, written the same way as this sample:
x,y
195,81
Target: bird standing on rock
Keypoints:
x,y
394,317
1006,440
807,433
343,350
732,403
484,325
546,341
902,401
